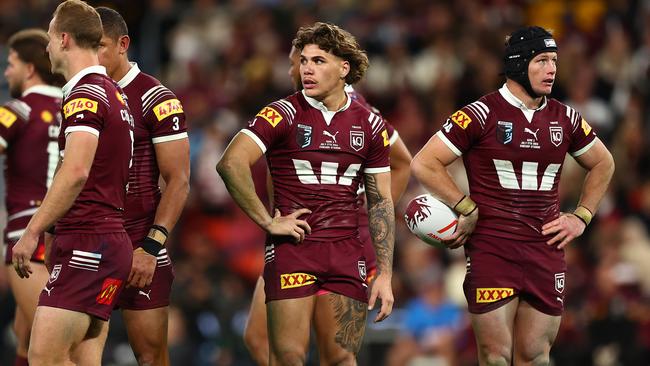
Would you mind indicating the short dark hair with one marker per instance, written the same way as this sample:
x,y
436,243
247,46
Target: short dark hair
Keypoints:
x,y
330,38
81,21
31,47
112,22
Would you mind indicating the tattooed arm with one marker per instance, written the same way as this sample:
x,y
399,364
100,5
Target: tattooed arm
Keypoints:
x,y
382,231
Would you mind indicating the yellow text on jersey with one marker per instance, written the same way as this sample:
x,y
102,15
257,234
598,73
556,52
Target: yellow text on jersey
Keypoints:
x,y
291,280
585,127
461,119
168,108
78,105
384,134
270,115
7,117
487,295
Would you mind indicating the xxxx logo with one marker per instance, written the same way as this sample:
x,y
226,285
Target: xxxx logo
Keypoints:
x,y
270,115
486,295
461,119
291,280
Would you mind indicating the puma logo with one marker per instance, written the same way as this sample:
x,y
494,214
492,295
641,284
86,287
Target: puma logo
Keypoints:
x,y
49,290
526,129
145,294
330,135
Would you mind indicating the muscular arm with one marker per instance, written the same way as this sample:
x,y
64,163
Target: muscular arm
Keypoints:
x,y
429,167
68,181
400,168
381,217
600,166
234,167
174,163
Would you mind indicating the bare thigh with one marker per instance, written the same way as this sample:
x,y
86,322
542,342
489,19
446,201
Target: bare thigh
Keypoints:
x,y
494,333
147,331
27,290
288,329
535,333
255,334
339,323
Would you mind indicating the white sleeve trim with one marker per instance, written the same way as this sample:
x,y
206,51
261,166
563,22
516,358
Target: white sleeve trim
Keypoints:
x,y
178,136
393,137
257,140
3,142
383,169
81,128
449,144
575,154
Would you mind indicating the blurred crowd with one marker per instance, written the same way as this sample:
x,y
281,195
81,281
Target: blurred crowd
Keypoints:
x,y
227,59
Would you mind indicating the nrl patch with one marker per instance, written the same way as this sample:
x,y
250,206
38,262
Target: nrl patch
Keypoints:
x,y
303,136
559,282
357,140
363,274
504,132
556,135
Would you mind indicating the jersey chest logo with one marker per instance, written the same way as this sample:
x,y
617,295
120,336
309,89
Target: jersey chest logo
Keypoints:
x,y
504,132
556,135
303,135
357,140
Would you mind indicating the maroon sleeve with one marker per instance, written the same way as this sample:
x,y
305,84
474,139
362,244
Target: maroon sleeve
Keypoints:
x,y
13,117
378,156
582,135
463,128
83,108
164,115
270,124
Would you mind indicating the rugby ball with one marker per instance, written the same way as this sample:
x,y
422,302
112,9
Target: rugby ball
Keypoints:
x,y
430,220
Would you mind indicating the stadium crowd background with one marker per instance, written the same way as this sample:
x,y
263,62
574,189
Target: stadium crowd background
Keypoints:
x,y
227,59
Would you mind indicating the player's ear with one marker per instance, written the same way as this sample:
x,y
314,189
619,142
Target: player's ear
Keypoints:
x,y
31,70
123,43
345,69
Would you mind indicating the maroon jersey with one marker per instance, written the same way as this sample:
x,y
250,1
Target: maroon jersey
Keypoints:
x,y
513,157
94,103
158,117
29,127
316,158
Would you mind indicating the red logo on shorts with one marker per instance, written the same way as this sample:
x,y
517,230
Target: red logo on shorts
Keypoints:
x,y
109,289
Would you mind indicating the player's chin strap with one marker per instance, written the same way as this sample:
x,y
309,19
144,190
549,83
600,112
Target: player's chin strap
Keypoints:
x,y
583,214
155,240
465,206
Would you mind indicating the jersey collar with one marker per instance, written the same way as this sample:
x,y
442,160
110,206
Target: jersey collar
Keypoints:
x,y
95,69
510,98
320,106
47,90
130,75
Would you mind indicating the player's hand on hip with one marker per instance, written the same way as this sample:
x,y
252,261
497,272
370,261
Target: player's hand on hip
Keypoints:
x,y
566,228
142,269
22,254
382,290
464,229
290,225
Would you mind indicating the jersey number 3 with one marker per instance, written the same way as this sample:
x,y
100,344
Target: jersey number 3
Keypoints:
x,y
328,173
508,178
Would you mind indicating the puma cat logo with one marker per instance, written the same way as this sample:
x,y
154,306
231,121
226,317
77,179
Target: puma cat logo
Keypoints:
x,y
330,135
526,129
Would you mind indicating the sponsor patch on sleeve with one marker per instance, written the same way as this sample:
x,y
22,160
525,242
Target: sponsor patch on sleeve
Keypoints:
x,y
585,127
7,117
78,105
167,108
270,115
461,119
384,134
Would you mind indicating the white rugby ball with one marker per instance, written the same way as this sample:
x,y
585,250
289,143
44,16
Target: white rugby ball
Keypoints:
x,y
430,220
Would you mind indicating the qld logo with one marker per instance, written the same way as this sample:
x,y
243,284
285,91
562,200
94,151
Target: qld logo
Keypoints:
x,y
559,282
357,140
55,273
303,136
556,135
504,132
363,274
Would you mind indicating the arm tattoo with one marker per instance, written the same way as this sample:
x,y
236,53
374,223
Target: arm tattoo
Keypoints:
x,y
382,224
350,318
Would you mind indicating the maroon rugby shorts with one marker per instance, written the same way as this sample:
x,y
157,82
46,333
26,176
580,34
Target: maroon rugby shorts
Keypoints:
x,y
89,272
300,270
498,270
